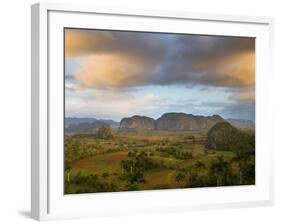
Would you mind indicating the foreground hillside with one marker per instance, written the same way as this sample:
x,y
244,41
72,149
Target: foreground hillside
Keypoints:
x,y
121,161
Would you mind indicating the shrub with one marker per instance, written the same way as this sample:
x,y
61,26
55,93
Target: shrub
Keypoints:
x,y
105,133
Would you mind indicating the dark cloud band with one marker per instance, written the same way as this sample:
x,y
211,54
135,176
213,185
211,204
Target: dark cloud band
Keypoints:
x,y
162,59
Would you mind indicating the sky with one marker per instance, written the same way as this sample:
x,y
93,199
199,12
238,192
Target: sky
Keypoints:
x,y
117,74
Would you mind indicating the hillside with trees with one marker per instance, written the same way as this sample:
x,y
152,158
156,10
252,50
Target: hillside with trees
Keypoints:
x,y
109,160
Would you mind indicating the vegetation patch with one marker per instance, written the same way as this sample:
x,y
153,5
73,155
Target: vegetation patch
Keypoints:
x,y
123,161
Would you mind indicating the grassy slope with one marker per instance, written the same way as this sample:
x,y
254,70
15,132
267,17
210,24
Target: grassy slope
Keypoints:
x,y
110,162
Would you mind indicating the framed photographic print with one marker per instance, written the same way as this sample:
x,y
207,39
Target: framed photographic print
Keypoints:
x,y
146,111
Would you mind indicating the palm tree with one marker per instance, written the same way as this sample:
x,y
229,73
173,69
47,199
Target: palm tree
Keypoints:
x,y
179,177
199,164
220,168
127,166
242,156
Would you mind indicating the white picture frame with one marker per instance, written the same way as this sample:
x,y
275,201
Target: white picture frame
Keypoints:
x,y
47,198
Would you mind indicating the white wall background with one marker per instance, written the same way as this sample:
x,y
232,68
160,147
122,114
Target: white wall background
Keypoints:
x,y
15,110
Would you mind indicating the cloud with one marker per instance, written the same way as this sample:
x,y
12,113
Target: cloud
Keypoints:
x,y
126,59
232,70
86,42
114,105
82,42
243,95
239,110
113,71
106,69
204,47
71,64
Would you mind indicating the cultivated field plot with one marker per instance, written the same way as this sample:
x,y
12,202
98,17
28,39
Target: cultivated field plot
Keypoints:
x,y
151,160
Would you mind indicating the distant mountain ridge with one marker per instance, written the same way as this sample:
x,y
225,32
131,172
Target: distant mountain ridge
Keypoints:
x,y
170,122
167,122
137,123
184,122
241,123
85,127
77,120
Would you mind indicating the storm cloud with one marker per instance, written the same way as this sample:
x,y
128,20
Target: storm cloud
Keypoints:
x,y
138,59
122,62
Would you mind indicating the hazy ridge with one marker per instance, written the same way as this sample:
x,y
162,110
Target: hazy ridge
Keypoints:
x,y
167,122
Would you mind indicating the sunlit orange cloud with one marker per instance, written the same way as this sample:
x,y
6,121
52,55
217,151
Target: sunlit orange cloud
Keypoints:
x,y
240,68
83,42
117,71
121,60
112,70
233,70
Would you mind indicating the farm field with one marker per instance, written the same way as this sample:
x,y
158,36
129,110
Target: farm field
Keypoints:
x,y
146,161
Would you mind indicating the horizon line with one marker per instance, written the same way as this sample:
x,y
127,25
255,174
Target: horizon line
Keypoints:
x,y
90,117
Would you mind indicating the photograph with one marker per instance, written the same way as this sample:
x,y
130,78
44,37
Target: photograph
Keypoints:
x,y
155,110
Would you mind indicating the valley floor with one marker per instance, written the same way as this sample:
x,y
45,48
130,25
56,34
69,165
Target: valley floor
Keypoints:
x,y
145,161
